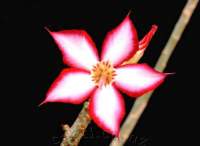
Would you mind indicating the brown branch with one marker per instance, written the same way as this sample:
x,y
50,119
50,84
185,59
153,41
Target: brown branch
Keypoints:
x,y
73,135
141,103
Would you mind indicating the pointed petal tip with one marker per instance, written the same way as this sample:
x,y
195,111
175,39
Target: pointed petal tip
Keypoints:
x,y
172,73
115,133
122,37
129,13
47,29
42,103
127,18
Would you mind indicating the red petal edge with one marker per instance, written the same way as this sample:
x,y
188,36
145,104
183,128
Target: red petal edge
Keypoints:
x,y
143,91
67,59
63,73
99,122
110,35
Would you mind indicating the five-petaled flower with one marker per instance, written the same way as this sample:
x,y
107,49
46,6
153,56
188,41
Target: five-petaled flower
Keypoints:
x,y
99,79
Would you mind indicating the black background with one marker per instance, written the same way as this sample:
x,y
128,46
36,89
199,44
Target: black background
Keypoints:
x,y
32,62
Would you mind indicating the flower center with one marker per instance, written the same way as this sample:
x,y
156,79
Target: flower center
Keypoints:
x,y
103,73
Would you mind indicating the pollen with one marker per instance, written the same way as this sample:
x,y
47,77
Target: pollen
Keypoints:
x,y
103,73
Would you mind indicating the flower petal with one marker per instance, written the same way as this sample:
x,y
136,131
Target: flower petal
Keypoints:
x,y
121,43
137,79
77,48
71,86
143,44
107,109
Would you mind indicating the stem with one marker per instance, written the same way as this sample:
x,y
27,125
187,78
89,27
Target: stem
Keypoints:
x,y
141,103
73,135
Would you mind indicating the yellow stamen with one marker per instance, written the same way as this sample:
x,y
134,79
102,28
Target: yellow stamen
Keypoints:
x,y
103,73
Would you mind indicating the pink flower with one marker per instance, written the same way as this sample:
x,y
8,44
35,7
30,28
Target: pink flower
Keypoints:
x,y
100,79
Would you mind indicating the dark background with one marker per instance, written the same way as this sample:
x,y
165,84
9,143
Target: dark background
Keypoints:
x,y
32,62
